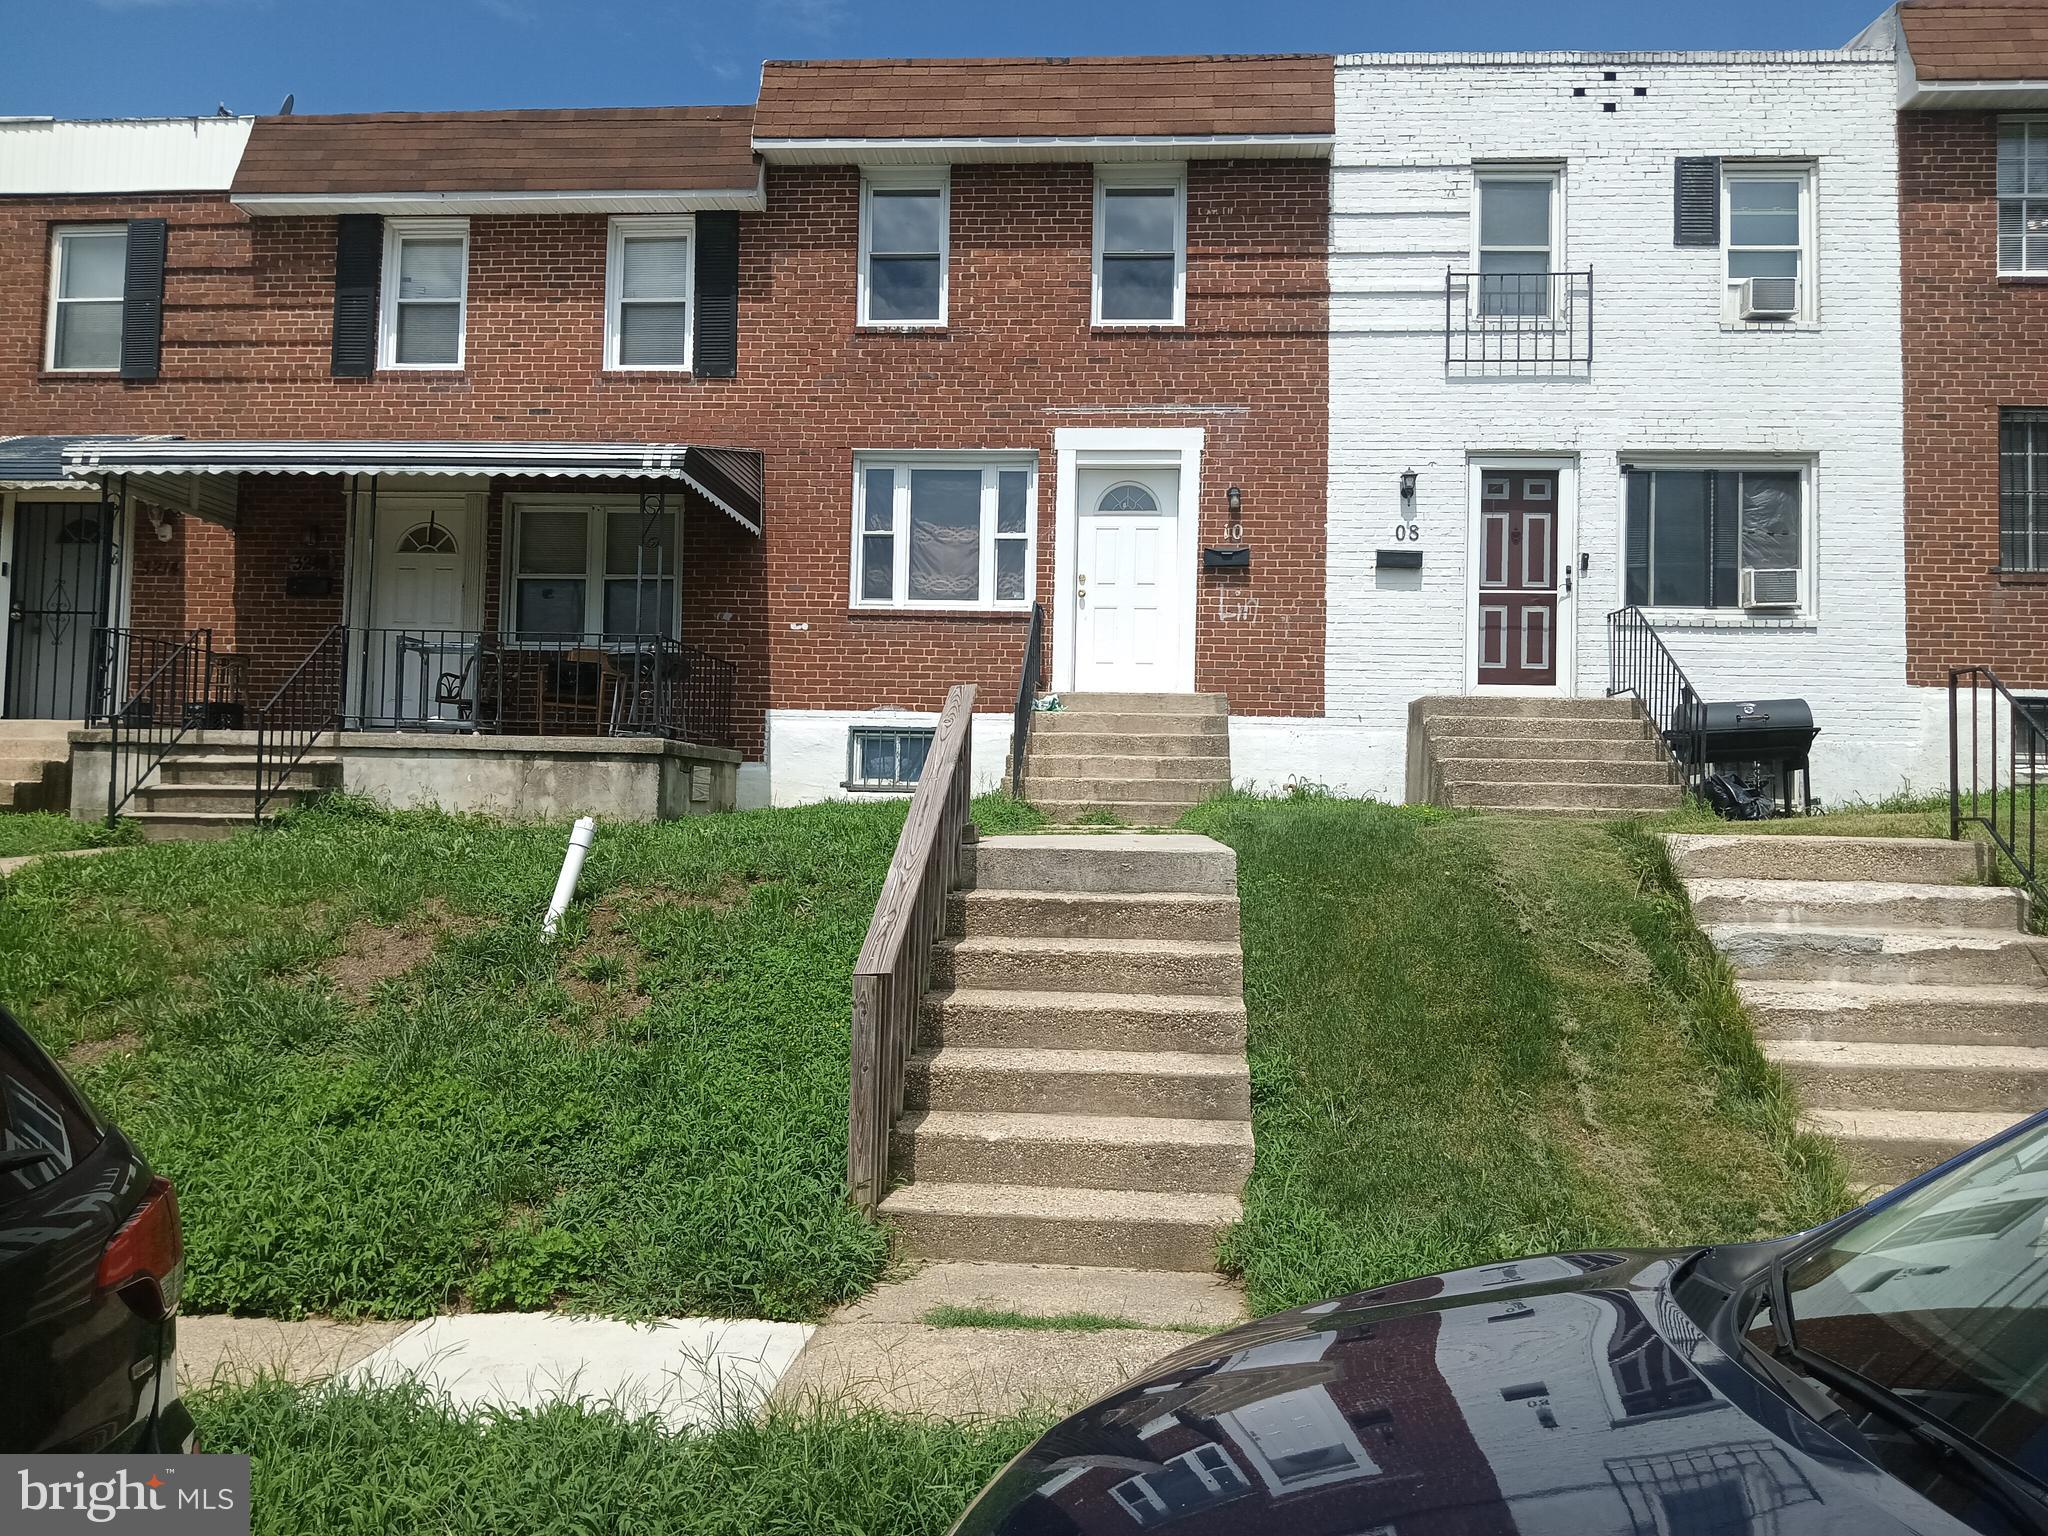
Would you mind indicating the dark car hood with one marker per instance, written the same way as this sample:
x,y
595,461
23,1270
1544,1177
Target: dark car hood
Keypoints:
x,y
1566,1395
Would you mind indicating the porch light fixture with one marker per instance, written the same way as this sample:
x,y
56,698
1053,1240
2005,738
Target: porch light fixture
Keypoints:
x,y
1234,499
1407,485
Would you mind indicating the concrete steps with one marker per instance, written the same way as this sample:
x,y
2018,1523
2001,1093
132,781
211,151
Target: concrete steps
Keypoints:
x,y
35,765
1538,756
203,791
1180,1085
1906,1004
1143,757
1079,1094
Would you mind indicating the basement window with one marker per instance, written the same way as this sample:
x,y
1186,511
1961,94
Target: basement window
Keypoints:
x,y
886,760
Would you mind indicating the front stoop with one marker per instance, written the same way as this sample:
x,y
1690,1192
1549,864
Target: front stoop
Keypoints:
x,y
202,791
1538,756
1079,1093
35,765
1143,757
1904,1000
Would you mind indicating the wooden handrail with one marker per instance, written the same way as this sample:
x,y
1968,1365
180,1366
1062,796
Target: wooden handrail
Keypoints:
x,y
895,962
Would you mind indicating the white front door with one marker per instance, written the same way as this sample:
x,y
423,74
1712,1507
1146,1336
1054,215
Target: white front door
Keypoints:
x,y
420,653
1128,584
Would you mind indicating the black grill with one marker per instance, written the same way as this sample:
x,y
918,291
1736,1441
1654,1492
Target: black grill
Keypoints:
x,y
1757,745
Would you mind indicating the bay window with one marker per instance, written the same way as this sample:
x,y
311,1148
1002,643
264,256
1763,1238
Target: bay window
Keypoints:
x,y
943,532
1720,537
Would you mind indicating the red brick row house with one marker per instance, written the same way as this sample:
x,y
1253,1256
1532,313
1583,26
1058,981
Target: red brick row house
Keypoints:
x,y
480,421
1973,235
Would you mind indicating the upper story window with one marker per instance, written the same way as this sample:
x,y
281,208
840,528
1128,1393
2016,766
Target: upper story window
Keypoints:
x,y
1518,235
2023,195
943,532
904,229
647,278
1767,242
1141,245
2022,489
1719,537
88,271
426,285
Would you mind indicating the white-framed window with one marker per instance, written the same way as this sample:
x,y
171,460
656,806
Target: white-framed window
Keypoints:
x,y
1767,232
1517,238
906,218
944,531
1719,536
886,758
425,293
593,568
2023,196
88,276
648,272
1141,245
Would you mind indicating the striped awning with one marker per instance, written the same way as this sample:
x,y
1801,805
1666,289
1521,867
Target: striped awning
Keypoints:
x,y
729,478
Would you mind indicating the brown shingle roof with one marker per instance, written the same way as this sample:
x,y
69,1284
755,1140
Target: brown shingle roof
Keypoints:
x,y
1971,40
1038,98
612,149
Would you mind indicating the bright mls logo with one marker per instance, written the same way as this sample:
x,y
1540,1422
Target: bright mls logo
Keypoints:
x,y
171,1496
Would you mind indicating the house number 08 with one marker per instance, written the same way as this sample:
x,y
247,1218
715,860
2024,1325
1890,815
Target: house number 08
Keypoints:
x,y
1407,532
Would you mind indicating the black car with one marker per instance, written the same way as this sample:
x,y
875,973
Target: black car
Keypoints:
x,y
1885,1373
90,1262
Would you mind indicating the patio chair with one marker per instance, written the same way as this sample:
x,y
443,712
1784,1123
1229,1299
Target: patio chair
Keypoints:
x,y
576,693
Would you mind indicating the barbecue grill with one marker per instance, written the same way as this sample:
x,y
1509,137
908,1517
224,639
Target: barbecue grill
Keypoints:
x,y
1760,745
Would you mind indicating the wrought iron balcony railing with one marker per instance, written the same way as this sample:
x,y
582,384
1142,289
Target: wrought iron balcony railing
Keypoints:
x,y
1508,324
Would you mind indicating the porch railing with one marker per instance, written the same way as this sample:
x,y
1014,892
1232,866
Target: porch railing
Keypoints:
x,y
306,706
1638,663
569,685
150,689
1518,323
1029,676
895,962
2007,742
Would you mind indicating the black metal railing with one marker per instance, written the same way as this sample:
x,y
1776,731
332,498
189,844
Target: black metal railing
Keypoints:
x,y
1029,676
1510,323
561,685
1638,663
150,688
306,706
2008,749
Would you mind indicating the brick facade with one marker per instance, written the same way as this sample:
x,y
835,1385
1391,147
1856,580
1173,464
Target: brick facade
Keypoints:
x,y
1973,342
248,309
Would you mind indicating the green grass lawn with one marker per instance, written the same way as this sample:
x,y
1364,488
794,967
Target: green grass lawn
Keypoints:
x,y
381,1093
330,1463
47,832
1476,1038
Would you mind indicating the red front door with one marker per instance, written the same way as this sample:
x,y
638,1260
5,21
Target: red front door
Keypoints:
x,y
1518,577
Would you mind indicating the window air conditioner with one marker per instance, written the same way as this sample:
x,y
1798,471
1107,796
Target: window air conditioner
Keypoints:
x,y
1770,586
1770,298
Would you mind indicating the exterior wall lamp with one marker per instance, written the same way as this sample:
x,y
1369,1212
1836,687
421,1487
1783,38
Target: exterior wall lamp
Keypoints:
x,y
1234,499
1407,485
1235,555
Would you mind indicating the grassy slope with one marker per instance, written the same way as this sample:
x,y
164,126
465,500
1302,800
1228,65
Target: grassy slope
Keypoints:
x,y
572,1471
47,832
1475,1038
650,1118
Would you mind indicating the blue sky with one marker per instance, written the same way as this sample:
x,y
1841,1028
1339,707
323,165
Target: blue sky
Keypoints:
x,y
116,58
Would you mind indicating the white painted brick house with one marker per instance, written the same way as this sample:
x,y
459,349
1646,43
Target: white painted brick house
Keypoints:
x,y
1762,456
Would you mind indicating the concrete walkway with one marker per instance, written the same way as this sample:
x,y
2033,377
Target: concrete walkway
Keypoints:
x,y
876,1352
22,860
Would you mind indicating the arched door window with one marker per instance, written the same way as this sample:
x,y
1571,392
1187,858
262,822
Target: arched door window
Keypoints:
x,y
427,539
1127,496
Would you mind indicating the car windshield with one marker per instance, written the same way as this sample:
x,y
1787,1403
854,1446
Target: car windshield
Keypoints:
x,y
1942,1300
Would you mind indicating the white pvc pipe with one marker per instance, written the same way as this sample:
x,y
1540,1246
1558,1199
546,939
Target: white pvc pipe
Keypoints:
x,y
572,866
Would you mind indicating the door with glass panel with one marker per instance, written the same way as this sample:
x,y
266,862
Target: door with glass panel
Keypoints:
x,y
1518,578
1129,590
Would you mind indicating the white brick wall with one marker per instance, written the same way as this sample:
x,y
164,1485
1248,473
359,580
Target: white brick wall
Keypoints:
x,y
1668,377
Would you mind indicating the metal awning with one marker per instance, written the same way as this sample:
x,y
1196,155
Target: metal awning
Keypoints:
x,y
37,463
729,478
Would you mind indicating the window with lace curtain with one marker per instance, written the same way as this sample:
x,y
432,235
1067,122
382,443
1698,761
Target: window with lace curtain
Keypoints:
x,y
943,532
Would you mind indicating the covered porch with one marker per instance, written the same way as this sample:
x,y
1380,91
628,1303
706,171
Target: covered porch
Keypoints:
x,y
455,598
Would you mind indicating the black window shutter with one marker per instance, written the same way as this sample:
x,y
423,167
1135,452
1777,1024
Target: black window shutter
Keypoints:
x,y
1696,200
142,299
718,296
358,255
